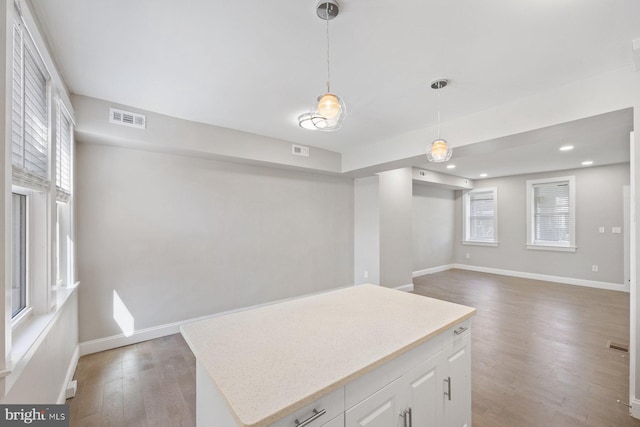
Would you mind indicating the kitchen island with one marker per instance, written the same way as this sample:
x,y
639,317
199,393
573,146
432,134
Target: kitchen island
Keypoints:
x,y
358,356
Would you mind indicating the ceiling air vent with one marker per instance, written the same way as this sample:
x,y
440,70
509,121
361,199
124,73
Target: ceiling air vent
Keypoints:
x,y
299,150
127,118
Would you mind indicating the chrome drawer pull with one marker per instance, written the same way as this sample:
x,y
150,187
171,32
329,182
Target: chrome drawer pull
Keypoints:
x,y
316,414
448,392
460,330
406,417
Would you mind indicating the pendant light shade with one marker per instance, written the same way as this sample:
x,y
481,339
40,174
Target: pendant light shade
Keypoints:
x,y
329,112
439,151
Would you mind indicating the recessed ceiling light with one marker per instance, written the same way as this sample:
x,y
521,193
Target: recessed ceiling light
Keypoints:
x,y
566,148
587,163
451,166
483,175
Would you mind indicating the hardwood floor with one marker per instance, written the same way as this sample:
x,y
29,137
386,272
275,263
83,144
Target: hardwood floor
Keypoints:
x,y
146,384
539,350
539,358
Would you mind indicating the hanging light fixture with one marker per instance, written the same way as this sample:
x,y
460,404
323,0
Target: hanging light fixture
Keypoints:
x,y
439,150
330,110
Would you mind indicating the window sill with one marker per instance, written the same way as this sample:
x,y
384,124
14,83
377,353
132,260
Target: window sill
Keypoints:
x,y
552,248
474,243
27,337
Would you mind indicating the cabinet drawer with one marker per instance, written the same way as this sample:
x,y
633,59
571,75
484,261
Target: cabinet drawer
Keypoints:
x,y
457,332
358,390
332,404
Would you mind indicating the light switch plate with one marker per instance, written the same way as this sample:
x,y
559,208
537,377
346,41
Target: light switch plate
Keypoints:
x,y
616,230
601,230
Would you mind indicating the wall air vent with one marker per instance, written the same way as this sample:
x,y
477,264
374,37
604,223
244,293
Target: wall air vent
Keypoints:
x,y
127,118
299,150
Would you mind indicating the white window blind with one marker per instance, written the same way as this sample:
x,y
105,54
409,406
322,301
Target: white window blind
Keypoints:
x,y
64,140
552,214
481,224
30,115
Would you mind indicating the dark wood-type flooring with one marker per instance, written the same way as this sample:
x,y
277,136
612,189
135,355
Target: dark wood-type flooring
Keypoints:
x,y
539,358
539,350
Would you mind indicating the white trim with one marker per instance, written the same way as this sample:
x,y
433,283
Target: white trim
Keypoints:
x,y
405,288
633,291
635,408
479,243
546,278
530,183
465,216
73,363
432,270
552,248
120,340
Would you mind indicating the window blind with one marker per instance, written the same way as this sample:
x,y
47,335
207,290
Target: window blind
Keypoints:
x,y
63,156
30,115
552,219
481,217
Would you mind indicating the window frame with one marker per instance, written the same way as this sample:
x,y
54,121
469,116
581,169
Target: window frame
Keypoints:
x,y
466,217
530,194
25,312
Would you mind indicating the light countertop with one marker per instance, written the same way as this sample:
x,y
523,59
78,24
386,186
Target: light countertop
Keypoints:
x,y
270,361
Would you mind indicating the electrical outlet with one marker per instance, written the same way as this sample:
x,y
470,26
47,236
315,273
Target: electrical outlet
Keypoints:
x,y
601,230
616,230
467,256
366,274
594,268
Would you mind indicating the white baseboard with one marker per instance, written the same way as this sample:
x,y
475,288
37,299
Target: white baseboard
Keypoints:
x,y
546,278
120,340
406,288
635,408
69,376
432,270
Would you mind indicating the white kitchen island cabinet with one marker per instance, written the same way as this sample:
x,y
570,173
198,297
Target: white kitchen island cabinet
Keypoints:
x,y
359,356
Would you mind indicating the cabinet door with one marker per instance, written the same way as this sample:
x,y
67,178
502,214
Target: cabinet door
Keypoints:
x,y
456,382
336,422
423,384
381,409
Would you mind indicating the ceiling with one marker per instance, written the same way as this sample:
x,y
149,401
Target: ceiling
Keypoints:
x,y
256,65
602,139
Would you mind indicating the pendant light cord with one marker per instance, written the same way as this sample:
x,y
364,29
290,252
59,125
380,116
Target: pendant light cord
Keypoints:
x,y
328,49
438,111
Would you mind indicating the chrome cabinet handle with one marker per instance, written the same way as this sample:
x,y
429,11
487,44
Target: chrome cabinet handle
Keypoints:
x,y
406,416
316,414
448,392
460,330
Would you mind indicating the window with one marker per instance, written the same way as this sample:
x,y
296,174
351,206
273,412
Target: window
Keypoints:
x,y
481,217
18,254
30,114
31,175
551,214
64,140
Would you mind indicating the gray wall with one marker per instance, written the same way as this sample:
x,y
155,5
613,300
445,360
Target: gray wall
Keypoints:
x,y
599,202
395,198
181,237
366,260
433,225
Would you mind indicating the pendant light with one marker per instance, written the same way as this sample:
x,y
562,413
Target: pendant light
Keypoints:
x,y
330,110
439,150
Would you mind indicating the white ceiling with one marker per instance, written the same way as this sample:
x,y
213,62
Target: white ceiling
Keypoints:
x,y
256,65
602,139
